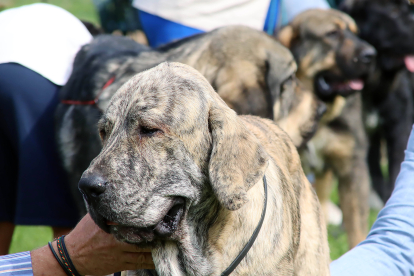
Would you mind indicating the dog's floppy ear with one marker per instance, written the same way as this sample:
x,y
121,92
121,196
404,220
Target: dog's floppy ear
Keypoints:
x,y
280,66
237,158
286,35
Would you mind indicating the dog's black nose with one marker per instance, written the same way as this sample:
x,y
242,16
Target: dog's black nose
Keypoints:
x,y
367,55
92,186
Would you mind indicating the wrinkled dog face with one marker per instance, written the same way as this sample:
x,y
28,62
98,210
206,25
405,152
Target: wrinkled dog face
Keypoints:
x,y
144,177
163,138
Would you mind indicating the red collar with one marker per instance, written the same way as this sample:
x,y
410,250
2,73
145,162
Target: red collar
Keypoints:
x,y
92,102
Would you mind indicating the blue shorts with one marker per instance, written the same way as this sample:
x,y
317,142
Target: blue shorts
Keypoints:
x,y
33,187
160,31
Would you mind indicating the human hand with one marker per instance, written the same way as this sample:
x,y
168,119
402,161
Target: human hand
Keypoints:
x,y
94,251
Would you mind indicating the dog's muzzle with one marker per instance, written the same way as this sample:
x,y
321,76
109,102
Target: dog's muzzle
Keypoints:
x,y
94,187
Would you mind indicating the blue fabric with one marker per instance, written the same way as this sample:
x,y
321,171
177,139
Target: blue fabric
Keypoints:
x,y
16,264
33,188
160,31
389,247
272,17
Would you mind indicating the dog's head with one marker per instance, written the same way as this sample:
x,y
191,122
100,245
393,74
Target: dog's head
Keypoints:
x,y
170,144
389,26
331,58
254,74
295,108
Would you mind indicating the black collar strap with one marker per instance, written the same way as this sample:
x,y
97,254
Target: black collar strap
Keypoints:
x,y
247,247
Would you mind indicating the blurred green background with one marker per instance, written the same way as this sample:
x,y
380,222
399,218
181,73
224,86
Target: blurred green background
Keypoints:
x,y
83,9
30,237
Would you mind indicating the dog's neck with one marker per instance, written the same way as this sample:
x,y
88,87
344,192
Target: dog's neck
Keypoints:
x,y
208,246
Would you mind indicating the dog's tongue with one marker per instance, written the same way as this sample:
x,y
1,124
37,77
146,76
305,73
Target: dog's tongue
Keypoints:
x,y
409,63
356,84
111,223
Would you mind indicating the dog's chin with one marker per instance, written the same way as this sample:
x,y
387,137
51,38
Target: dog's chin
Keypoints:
x,y
133,235
98,219
328,87
136,234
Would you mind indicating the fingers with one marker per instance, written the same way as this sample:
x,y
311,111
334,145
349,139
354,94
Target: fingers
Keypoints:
x,y
138,266
132,247
138,258
141,266
140,261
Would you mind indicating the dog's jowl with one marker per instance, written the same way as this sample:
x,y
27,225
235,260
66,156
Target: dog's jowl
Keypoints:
x,y
181,173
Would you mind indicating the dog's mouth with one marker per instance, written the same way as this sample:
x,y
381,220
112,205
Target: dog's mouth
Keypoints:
x,y
164,229
327,86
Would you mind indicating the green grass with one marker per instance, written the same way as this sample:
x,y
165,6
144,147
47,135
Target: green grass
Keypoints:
x,y
27,238
83,9
338,241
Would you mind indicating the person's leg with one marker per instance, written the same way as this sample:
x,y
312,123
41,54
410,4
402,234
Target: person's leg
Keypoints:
x,y
8,168
43,196
6,234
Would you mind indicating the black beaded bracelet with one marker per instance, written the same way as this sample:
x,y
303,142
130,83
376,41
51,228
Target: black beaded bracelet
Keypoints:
x,y
56,257
65,257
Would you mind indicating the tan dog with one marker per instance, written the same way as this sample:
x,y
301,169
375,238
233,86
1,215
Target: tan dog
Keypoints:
x,y
181,173
251,71
333,62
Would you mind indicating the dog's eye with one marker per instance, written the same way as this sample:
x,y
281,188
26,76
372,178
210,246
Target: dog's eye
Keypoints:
x,y
332,34
147,131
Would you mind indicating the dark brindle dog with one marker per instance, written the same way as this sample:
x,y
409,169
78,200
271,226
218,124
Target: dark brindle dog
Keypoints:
x,y
181,173
333,61
388,96
251,71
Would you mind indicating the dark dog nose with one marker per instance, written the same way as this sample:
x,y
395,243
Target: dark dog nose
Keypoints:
x,y
92,186
367,55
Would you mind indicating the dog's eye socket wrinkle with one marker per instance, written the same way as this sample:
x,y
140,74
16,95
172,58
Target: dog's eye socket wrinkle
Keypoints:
x,y
287,83
332,34
147,131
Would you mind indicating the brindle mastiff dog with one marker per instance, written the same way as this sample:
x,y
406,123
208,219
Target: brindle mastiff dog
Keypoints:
x,y
333,62
250,70
181,173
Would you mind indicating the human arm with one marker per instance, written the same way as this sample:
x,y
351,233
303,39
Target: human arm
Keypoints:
x,y
389,247
91,250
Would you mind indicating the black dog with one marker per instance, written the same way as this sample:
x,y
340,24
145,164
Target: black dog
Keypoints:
x,y
388,96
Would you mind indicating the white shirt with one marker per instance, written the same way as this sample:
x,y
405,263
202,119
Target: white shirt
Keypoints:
x,y
43,38
207,15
